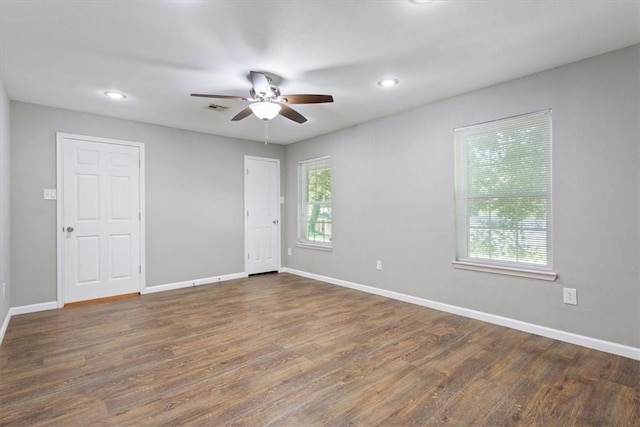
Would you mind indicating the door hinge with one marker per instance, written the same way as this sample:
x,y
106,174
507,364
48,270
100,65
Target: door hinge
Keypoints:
x,y
248,256
140,269
247,171
247,213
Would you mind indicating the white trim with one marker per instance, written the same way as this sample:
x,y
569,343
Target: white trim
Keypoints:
x,y
246,207
569,337
315,159
517,116
33,308
508,271
5,325
59,222
462,135
191,283
317,247
301,204
24,309
143,219
60,136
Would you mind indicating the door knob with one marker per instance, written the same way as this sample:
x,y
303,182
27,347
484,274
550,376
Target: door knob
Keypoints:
x,y
69,229
275,221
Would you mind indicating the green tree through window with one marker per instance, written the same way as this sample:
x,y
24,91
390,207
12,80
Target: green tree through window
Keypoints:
x,y
503,191
315,201
319,196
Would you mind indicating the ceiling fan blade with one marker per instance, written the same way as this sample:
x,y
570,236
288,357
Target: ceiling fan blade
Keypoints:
x,y
305,99
291,114
242,114
204,95
260,84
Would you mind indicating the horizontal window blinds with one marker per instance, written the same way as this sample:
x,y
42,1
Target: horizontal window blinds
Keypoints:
x,y
503,191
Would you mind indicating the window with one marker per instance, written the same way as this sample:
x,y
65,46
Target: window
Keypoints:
x,y
503,192
314,183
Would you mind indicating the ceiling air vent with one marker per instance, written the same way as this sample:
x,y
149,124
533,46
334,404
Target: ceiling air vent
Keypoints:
x,y
216,107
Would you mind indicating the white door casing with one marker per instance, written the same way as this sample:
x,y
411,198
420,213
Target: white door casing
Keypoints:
x,y
100,218
262,214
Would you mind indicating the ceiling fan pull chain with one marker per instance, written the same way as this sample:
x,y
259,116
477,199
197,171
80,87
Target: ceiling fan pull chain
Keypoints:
x,y
266,131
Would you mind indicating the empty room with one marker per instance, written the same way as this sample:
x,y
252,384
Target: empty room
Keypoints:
x,y
305,213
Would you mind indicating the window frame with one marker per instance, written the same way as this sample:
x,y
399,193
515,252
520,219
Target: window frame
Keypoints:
x,y
463,198
303,240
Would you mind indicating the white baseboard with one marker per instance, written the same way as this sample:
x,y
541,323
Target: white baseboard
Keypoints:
x,y
32,308
5,325
24,309
569,337
190,283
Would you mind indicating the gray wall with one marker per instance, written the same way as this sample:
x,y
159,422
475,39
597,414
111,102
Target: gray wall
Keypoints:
x,y
393,200
194,198
5,229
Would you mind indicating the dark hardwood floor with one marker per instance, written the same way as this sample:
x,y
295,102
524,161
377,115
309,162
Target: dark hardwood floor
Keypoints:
x,y
283,350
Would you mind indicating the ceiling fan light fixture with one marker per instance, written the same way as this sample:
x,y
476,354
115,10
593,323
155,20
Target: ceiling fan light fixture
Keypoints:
x,y
265,110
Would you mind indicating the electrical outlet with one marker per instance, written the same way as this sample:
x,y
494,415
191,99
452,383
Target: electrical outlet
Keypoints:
x,y
570,296
288,251
379,265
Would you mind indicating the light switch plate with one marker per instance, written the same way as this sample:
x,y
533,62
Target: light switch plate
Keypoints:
x,y
50,194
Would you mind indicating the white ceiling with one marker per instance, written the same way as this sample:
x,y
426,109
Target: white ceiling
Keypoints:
x,y
67,53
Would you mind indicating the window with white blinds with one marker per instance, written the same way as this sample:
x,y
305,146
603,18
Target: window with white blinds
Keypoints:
x,y
314,208
503,192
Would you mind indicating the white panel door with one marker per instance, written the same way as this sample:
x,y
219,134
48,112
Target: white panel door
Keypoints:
x,y
262,210
101,219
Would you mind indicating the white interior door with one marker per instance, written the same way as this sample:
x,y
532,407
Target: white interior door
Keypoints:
x,y
101,224
262,210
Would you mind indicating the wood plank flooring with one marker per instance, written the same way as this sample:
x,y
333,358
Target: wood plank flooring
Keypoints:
x,y
278,349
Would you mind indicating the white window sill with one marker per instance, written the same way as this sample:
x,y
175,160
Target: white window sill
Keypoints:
x,y
317,247
509,271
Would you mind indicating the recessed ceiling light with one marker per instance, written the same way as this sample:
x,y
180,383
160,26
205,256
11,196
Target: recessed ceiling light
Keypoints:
x,y
421,1
115,95
388,82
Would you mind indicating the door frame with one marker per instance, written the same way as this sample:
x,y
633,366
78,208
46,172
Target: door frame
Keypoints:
x,y
60,137
246,206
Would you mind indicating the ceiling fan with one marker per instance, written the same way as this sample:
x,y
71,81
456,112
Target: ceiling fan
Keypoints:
x,y
267,102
